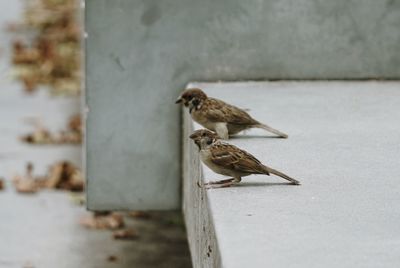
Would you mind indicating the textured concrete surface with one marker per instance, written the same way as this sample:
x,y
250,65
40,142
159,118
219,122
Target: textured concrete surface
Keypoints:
x,y
196,208
42,230
343,146
141,54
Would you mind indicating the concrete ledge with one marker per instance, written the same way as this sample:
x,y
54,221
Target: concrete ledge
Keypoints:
x,y
343,146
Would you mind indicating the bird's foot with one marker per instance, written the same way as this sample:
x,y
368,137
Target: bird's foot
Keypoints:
x,y
219,182
220,185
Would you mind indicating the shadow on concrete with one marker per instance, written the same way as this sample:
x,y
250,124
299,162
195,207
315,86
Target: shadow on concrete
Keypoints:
x,y
258,184
255,137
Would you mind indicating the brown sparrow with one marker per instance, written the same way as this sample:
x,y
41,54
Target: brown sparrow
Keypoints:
x,y
218,116
227,159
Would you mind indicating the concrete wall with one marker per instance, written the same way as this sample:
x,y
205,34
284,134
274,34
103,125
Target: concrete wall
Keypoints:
x,y
195,206
140,55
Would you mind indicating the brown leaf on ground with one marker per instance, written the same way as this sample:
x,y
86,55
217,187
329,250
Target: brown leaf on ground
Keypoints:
x,y
139,214
73,134
38,136
52,57
110,221
26,184
112,258
125,234
24,54
62,175
41,135
75,123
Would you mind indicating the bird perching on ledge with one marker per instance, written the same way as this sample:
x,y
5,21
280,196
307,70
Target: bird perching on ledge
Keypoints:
x,y
218,116
229,160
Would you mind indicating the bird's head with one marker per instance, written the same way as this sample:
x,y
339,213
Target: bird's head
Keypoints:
x,y
204,138
192,98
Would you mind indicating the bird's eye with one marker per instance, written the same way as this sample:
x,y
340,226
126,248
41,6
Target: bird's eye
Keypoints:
x,y
190,97
196,102
209,142
203,135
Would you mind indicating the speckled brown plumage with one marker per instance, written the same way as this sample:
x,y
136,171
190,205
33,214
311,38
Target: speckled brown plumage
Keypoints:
x,y
231,157
219,116
229,160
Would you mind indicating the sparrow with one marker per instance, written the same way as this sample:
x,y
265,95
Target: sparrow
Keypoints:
x,y
218,116
229,160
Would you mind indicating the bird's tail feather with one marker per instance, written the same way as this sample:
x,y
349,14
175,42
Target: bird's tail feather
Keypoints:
x,y
282,175
272,130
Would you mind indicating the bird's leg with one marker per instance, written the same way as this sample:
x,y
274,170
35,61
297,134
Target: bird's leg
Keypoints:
x,y
214,182
222,130
223,183
219,182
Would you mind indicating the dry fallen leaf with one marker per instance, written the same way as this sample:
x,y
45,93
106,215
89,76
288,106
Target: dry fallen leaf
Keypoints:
x,y
139,214
125,234
66,176
26,184
75,123
62,175
112,258
52,57
41,135
109,221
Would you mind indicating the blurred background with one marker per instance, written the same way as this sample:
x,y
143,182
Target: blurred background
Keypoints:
x,y
44,222
140,55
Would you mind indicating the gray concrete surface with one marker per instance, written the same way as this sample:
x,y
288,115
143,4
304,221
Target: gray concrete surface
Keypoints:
x,y
141,54
343,146
42,230
196,207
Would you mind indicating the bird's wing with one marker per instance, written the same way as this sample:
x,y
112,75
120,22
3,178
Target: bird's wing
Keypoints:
x,y
231,157
219,111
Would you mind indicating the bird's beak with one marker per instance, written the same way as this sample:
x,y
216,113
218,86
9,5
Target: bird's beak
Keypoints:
x,y
179,100
196,139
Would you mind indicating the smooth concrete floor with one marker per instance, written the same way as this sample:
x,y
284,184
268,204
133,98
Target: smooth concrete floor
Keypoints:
x,y
43,230
344,147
